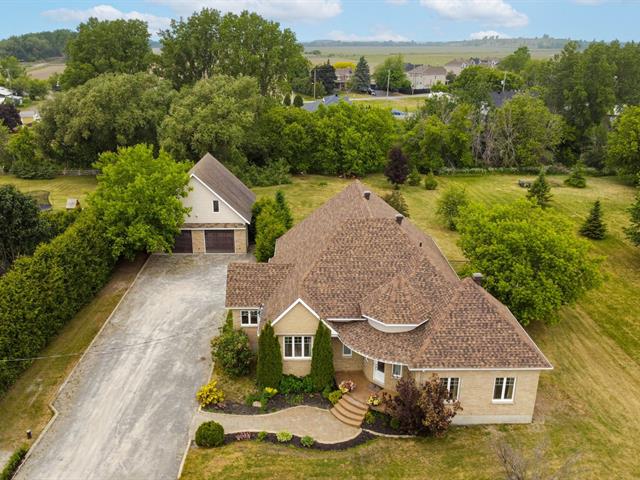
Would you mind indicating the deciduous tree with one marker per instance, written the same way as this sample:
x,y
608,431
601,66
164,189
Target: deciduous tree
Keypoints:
x,y
397,169
107,46
392,69
623,147
530,257
450,204
396,200
138,199
633,230
9,116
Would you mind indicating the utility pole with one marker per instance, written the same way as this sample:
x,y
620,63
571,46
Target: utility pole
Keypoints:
x,y
388,78
315,71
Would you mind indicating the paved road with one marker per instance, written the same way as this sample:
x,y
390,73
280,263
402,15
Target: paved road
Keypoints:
x,y
126,411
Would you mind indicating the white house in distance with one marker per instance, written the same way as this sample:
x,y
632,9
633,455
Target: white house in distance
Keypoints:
x,y
426,76
220,211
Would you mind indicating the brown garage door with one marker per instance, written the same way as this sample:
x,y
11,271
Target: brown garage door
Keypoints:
x,y
219,241
183,242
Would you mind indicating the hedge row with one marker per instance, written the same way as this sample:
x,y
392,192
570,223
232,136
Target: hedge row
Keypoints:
x,y
40,293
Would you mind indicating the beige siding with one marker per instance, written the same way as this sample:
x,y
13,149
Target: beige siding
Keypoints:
x,y
200,200
252,332
476,395
240,240
298,321
342,363
197,241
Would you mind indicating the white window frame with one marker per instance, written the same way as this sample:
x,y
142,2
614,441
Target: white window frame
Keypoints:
x,y
393,370
346,351
447,381
250,315
504,389
215,206
293,355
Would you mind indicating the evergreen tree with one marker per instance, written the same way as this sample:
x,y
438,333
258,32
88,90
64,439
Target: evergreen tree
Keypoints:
x,y
284,210
540,190
397,201
297,101
326,75
287,100
577,178
322,372
269,368
593,227
633,231
361,77
397,169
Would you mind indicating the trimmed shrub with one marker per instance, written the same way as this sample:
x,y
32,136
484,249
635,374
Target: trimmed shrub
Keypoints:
x,y
269,369
284,437
298,101
430,182
369,418
577,178
453,199
414,179
231,350
210,394
335,396
40,293
396,200
292,384
322,372
261,436
307,441
210,434
15,460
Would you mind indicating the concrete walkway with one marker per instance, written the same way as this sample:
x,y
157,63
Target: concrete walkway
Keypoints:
x,y
301,421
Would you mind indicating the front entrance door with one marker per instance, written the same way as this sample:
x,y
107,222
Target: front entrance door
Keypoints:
x,y
378,372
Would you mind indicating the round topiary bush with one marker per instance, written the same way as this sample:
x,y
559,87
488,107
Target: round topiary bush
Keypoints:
x,y
210,434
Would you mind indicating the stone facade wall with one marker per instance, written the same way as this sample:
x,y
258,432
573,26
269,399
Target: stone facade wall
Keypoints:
x,y
197,241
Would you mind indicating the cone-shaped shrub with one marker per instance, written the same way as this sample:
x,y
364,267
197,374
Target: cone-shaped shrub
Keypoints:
x,y
593,227
540,190
269,369
322,372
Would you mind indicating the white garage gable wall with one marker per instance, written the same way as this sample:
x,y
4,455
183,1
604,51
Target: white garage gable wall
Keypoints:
x,y
200,200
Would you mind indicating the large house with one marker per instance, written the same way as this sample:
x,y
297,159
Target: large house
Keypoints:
x,y
423,77
394,307
220,211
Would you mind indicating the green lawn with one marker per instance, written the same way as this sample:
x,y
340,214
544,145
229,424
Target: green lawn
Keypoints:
x,y
588,407
26,405
59,188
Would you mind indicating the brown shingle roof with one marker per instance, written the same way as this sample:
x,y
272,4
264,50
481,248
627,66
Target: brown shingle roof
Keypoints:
x,y
216,176
351,258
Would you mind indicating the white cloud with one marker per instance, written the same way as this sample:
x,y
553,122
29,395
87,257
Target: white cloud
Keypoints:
x,y
381,35
106,12
487,34
489,12
274,9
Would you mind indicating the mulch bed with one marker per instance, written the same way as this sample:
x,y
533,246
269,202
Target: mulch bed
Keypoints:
x,y
271,438
279,402
381,425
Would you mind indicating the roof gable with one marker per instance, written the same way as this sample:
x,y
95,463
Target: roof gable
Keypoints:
x,y
217,178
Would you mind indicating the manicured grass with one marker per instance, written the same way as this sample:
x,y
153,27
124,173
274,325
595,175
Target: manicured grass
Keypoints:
x,y
59,188
235,389
403,104
587,407
26,405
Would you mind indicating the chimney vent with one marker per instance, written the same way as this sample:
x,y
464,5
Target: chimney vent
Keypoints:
x,y
367,194
478,278
399,218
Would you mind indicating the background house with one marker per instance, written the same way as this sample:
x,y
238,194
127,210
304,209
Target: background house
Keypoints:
x,y
423,77
343,76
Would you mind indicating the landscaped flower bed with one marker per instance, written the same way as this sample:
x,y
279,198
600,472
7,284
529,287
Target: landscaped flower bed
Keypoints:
x,y
297,441
277,402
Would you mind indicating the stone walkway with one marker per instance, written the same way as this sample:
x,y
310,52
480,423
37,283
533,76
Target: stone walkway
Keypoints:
x,y
301,421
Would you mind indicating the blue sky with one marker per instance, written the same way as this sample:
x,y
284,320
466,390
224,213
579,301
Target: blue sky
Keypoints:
x,y
419,20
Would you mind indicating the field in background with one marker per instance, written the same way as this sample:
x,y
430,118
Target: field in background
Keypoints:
x,y
59,188
44,70
586,408
430,55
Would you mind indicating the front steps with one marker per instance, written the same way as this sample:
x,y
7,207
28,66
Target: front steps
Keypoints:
x,y
349,410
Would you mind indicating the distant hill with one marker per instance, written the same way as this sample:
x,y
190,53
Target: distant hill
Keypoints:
x,y
31,47
544,42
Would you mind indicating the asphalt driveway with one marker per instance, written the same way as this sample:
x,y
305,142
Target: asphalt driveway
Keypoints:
x,y
126,410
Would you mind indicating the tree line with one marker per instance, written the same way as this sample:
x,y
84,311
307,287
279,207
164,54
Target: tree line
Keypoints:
x,y
31,47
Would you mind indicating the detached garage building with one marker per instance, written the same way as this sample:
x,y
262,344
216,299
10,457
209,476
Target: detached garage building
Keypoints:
x,y
220,211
